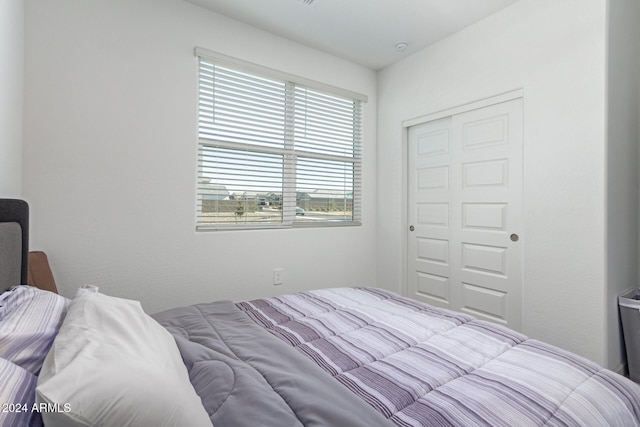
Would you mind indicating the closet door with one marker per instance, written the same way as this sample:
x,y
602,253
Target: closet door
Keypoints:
x,y
464,213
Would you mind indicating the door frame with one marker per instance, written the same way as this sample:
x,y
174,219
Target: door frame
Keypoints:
x,y
406,124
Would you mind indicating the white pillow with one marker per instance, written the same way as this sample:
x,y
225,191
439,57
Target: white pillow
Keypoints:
x,y
112,365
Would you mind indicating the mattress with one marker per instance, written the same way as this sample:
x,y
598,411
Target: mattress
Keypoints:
x,y
411,364
353,357
246,377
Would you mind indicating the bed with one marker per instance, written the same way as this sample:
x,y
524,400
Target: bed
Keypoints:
x,y
328,357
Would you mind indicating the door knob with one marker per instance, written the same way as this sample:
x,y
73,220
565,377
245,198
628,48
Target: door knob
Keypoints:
x,y
411,228
514,237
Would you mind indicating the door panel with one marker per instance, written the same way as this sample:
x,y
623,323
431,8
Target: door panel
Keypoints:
x,y
433,286
465,196
485,174
484,216
430,211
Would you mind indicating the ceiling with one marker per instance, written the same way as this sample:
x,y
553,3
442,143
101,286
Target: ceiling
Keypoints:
x,y
363,31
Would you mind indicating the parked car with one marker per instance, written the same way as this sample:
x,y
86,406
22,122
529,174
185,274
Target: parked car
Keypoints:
x,y
299,210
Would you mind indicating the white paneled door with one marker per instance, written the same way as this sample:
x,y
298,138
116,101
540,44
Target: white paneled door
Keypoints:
x,y
465,215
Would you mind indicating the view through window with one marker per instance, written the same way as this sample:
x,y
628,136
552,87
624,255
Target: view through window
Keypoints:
x,y
274,153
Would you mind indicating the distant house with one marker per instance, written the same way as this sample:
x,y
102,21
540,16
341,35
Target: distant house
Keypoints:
x,y
270,199
213,191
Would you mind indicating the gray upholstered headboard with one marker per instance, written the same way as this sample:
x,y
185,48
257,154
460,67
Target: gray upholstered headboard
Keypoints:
x,y
14,242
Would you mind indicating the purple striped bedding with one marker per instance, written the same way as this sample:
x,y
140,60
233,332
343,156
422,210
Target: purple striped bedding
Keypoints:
x,y
423,366
17,396
29,321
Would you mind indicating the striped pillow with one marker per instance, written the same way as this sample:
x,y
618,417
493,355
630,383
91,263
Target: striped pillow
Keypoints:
x,y
17,396
29,321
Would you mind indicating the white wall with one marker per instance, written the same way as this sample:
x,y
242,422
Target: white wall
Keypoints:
x,y
623,135
11,85
110,156
555,51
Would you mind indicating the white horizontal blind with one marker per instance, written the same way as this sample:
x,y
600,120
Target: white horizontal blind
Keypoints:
x,y
274,153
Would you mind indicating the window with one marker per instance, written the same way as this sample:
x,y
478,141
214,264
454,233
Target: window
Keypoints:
x,y
274,150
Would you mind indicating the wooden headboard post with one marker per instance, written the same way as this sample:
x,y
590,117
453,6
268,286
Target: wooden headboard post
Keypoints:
x,y
14,216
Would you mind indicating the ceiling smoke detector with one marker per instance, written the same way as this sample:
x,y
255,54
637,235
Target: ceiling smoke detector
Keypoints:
x,y
307,2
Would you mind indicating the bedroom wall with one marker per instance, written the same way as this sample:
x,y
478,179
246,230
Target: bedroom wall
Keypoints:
x,y
555,51
110,156
11,85
623,136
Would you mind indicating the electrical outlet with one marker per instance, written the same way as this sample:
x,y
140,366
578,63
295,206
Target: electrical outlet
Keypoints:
x,y
277,276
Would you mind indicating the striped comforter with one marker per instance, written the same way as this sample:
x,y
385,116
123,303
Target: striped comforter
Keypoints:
x,y
423,366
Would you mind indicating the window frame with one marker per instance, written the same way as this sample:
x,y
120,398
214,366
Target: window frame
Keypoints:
x,y
288,150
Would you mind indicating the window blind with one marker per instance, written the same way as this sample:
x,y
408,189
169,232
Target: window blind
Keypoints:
x,y
273,152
